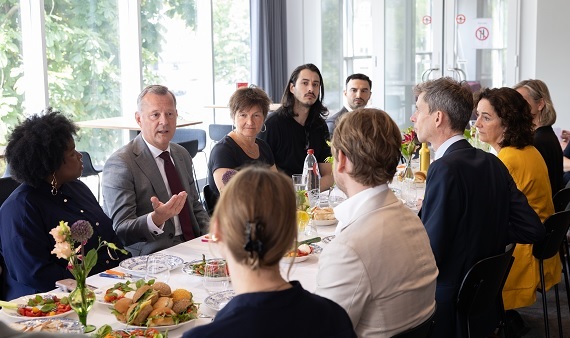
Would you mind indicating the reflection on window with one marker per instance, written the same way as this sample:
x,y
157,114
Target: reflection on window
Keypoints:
x,y
11,96
83,67
232,49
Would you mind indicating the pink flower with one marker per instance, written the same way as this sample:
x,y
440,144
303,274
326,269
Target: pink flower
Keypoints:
x,y
60,232
62,250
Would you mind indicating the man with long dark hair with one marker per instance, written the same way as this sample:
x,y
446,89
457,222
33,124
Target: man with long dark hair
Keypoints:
x,y
299,124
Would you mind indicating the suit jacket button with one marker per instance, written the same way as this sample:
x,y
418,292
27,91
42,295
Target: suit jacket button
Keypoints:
x,y
171,235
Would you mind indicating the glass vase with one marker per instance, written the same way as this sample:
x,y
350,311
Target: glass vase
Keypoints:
x,y
408,173
81,301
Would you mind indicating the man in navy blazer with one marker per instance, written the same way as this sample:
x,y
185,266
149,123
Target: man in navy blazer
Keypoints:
x,y
472,208
136,192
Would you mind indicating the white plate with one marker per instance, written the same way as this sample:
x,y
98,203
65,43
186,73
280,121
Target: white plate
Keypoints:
x,y
100,295
24,300
187,268
218,300
290,260
165,327
60,325
137,265
325,221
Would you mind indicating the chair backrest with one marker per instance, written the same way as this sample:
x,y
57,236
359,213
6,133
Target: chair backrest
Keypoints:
x,y
561,200
421,331
7,185
210,198
188,134
218,131
191,146
482,285
88,168
556,228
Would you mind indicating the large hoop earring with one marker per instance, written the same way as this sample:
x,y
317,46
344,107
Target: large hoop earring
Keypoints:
x,y
53,185
264,128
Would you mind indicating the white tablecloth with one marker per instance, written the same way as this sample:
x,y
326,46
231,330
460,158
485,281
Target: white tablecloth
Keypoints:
x,y
100,314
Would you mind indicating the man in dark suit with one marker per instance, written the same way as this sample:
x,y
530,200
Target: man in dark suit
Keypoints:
x,y
357,93
472,208
137,190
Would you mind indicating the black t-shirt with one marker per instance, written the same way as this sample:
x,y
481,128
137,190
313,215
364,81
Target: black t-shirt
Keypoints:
x,y
228,154
289,140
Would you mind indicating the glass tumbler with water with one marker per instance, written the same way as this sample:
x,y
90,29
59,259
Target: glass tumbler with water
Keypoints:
x,y
216,277
157,268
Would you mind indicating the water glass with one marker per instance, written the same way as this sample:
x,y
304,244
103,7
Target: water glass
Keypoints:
x,y
409,193
300,185
216,277
157,268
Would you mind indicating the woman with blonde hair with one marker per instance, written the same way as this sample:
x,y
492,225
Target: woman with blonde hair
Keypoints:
x,y
254,225
536,93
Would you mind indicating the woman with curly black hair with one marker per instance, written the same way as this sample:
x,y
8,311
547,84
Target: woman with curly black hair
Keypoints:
x,y
504,120
42,156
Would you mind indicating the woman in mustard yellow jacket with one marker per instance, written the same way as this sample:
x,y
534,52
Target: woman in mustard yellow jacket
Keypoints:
x,y
505,122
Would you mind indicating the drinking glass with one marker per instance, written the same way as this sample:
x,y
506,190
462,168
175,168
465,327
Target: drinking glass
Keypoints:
x,y
300,185
216,278
409,193
157,268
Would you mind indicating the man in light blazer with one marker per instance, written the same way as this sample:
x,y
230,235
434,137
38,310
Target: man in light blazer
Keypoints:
x,y
379,267
471,209
136,191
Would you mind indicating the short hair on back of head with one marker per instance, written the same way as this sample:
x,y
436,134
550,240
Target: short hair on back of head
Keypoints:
x,y
449,96
249,97
257,194
358,76
154,89
372,141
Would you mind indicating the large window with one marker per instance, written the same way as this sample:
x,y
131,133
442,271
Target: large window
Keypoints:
x,y
82,48
11,72
198,48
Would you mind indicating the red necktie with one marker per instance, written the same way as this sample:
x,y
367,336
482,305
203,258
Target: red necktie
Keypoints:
x,y
176,187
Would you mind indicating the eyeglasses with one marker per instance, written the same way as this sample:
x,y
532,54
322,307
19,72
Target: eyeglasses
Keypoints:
x,y
307,139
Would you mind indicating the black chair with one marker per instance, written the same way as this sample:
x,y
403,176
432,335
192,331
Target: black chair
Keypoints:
x,y
211,199
7,185
218,131
188,134
562,202
556,228
421,331
192,148
90,170
481,289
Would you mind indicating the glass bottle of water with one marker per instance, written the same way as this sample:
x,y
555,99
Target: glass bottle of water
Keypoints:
x,y
312,177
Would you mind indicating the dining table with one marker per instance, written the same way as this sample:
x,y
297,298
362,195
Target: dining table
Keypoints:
x,y
305,272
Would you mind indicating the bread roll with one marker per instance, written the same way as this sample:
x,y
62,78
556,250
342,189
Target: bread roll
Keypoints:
x,y
163,302
320,214
162,288
419,176
161,317
138,312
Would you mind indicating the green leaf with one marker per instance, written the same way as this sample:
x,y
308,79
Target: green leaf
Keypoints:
x,y
90,260
102,332
48,307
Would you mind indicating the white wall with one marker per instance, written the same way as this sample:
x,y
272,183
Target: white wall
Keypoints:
x,y
552,54
303,33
